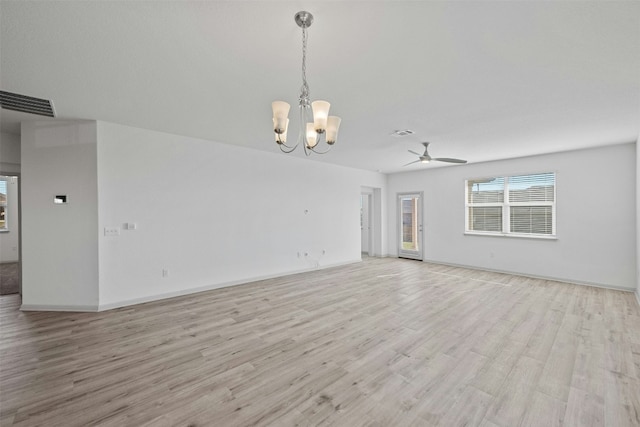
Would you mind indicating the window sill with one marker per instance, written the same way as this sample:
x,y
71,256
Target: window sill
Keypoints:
x,y
4,230
517,236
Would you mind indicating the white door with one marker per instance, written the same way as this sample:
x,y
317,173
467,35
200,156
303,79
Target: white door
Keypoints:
x,y
365,223
410,225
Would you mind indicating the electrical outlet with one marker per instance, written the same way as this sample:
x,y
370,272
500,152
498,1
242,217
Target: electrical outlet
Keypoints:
x,y
165,272
111,231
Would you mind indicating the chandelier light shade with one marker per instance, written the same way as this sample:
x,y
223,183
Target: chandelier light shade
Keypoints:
x,y
320,115
312,136
315,122
333,123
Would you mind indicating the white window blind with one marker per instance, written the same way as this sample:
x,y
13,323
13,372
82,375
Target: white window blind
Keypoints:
x,y
484,199
521,204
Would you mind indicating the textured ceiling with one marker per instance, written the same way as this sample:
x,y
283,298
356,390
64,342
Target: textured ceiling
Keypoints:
x,y
481,80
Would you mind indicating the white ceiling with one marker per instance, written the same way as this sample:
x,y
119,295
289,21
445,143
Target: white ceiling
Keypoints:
x,y
481,80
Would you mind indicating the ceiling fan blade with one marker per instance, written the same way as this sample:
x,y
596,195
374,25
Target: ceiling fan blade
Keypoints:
x,y
448,160
413,152
415,161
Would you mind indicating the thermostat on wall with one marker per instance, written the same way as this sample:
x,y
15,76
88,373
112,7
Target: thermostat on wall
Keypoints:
x,y
61,199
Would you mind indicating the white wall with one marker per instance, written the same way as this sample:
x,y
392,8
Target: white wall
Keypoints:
x,y
215,214
9,153
596,241
59,242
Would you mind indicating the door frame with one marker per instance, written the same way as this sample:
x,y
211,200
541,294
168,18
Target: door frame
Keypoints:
x,y
376,238
367,198
18,176
404,253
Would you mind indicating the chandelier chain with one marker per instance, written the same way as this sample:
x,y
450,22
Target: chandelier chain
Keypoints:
x,y
304,89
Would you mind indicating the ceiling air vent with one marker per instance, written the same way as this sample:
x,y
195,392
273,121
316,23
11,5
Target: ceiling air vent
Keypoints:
x,y
404,132
26,104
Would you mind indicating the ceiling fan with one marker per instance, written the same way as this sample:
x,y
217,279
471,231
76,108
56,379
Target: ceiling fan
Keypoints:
x,y
426,158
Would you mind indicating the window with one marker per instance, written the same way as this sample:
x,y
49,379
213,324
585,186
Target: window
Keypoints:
x,y
512,205
3,204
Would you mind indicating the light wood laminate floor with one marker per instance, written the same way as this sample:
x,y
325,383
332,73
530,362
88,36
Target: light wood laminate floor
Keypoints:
x,y
385,342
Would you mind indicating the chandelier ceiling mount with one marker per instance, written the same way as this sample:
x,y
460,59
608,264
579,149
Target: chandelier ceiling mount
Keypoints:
x,y
304,19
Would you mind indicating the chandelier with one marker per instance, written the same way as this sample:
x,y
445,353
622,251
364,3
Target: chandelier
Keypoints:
x,y
313,127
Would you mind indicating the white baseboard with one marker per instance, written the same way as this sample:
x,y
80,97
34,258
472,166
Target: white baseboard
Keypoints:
x,y
45,307
182,292
376,255
556,279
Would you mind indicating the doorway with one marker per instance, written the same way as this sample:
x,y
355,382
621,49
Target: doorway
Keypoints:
x,y
366,209
10,280
410,225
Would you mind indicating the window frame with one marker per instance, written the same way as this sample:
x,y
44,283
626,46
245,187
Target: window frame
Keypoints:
x,y
506,208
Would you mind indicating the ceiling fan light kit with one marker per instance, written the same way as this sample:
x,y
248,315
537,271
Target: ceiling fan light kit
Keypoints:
x,y
315,122
426,158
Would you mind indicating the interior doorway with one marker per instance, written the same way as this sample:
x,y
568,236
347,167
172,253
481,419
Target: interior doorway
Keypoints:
x,y
410,225
10,238
366,237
